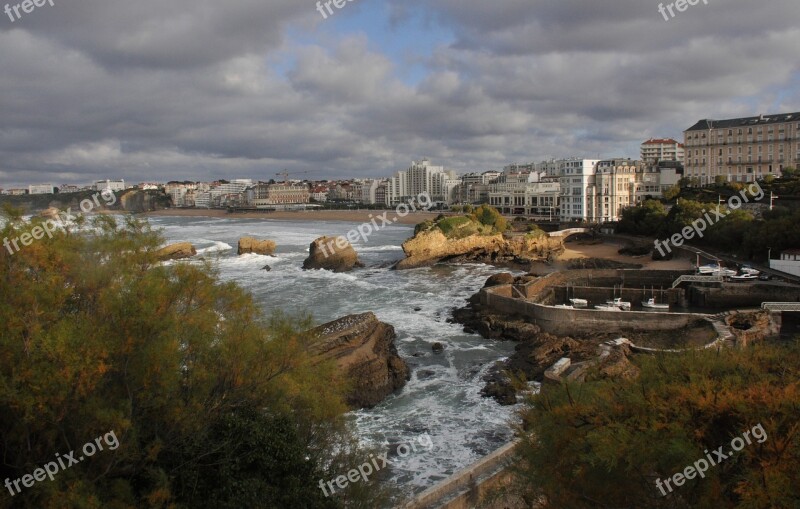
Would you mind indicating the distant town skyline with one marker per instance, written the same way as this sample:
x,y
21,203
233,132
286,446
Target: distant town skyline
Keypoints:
x,y
140,90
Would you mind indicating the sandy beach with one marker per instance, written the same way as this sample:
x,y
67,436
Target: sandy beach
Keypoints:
x,y
350,216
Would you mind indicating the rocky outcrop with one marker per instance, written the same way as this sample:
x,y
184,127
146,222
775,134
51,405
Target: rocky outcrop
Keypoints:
x,y
432,246
331,253
249,245
177,251
363,347
50,213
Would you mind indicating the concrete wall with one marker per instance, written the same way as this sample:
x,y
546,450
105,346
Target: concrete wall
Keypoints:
x,y
467,487
564,322
742,295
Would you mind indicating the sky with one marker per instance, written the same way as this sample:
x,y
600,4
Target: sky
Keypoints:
x,y
201,90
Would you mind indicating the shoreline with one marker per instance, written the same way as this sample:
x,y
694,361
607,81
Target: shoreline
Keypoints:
x,y
350,216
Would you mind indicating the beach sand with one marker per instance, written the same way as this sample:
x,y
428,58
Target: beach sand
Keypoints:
x,y
351,216
609,251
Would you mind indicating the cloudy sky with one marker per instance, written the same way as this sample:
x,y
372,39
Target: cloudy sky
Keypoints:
x,y
200,89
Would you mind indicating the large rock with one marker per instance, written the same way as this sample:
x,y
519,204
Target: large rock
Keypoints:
x,y
431,246
249,245
177,251
329,253
363,347
50,213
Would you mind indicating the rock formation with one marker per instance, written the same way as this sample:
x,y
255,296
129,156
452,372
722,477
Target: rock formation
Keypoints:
x,y
177,251
250,245
431,246
363,347
50,213
329,253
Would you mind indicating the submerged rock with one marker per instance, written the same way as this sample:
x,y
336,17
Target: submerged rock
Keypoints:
x,y
363,347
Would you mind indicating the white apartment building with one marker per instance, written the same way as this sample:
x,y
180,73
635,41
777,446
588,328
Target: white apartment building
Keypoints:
x,y
41,189
517,195
420,178
577,179
113,185
656,150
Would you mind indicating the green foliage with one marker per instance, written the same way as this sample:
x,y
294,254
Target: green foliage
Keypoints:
x,y
457,227
534,232
456,208
790,172
99,336
645,219
423,226
604,443
672,193
468,209
490,216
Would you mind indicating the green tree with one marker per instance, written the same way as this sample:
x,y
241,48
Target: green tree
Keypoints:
x,y
98,336
605,443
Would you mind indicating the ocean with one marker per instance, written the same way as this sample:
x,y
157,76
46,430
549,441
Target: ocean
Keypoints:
x,y
442,399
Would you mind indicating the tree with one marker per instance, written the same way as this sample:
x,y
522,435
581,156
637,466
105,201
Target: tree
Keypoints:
x,y
672,193
490,216
99,336
790,172
646,218
606,442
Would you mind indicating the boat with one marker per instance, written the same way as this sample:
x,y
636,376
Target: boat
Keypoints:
x,y
607,307
750,270
579,303
563,306
651,304
709,269
618,302
745,277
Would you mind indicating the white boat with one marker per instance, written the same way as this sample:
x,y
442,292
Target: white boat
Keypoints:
x,y
606,307
750,270
745,277
651,304
579,303
618,302
563,306
709,269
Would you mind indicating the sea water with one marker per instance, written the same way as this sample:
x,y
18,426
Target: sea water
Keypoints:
x,y
442,399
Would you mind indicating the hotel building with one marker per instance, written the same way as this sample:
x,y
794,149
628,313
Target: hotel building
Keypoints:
x,y
742,149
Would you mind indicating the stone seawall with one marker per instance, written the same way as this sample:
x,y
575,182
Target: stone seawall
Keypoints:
x,y
742,295
564,322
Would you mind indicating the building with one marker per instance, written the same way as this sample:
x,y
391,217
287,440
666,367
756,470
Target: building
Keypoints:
x,y
15,192
113,185
41,189
67,188
474,187
421,177
270,195
789,262
577,179
319,194
742,149
656,150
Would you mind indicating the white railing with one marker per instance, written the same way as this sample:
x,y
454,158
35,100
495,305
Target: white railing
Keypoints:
x,y
697,279
781,306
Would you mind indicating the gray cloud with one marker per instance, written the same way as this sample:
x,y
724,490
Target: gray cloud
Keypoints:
x,y
184,89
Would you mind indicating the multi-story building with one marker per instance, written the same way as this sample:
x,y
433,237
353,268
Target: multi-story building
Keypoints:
x,y
68,188
518,195
742,149
656,150
577,179
15,192
41,189
474,187
319,194
269,195
421,178
113,185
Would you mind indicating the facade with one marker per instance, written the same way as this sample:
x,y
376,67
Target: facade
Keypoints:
x,y
789,262
421,177
267,195
742,149
474,187
519,196
577,181
15,192
656,150
113,185
41,189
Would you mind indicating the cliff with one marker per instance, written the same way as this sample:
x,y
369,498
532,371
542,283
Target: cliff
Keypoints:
x,y
363,347
430,246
